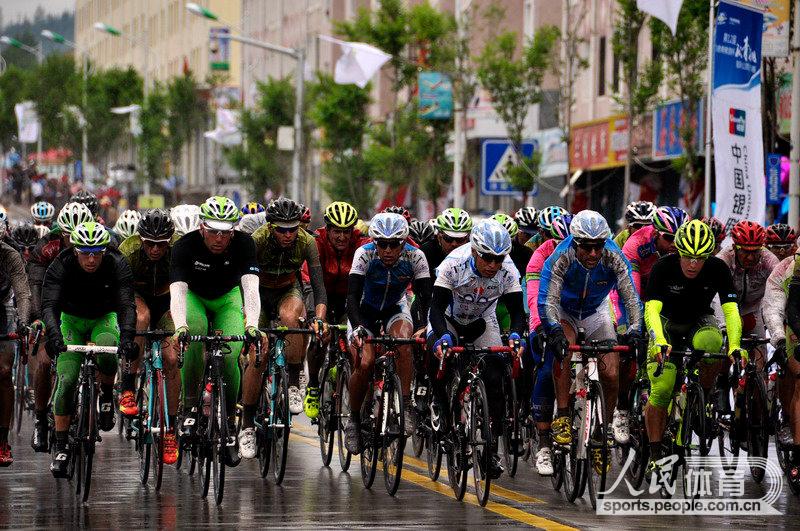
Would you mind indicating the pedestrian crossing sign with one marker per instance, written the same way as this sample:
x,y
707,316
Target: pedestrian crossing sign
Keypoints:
x,y
496,157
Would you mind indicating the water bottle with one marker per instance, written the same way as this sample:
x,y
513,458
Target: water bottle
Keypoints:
x,y
207,399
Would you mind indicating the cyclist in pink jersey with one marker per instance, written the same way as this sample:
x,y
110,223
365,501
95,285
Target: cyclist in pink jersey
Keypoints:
x,y
645,246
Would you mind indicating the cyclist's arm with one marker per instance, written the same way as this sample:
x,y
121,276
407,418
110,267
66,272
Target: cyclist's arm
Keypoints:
x,y
532,278
317,282
516,311
177,303
733,323
422,284
355,290
774,305
51,296
15,269
793,307
652,320
252,299
442,299
631,252
550,286
126,306
35,278
631,307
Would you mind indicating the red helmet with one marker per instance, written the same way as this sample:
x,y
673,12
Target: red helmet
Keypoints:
x,y
748,233
717,228
781,233
305,217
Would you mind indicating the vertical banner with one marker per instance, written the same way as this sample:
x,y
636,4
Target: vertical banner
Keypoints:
x,y
219,49
736,113
435,96
27,122
773,179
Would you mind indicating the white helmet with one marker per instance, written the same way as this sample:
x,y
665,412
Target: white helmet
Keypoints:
x,y
490,237
72,215
252,222
186,218
127,223
388,226
42,230
589,225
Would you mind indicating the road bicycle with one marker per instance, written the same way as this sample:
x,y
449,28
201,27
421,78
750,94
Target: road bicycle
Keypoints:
x,y
333,413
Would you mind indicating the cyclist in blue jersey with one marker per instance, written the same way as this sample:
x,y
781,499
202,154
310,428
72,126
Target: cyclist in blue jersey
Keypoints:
x,y
379,277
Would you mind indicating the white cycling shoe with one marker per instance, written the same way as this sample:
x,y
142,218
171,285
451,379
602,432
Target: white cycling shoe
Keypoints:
x,y
544,461
619,427
247,443
295,400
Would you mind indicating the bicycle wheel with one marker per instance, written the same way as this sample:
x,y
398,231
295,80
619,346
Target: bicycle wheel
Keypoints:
x,y
394,438
692,433
638,449
342,414
19,394
557,479
158,428
727,453
480,440
510,428
326,416
599,454
280,430
219,439
143,440
456,464
89,435
263,429
432,430
757,425
369,440
574,468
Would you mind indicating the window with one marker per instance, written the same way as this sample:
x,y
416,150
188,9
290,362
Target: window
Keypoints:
x,y
615,74
601,67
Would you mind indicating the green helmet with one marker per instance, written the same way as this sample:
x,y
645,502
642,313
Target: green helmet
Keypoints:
x,y
90,234
454,222
72,215
219,213
695,239
508,223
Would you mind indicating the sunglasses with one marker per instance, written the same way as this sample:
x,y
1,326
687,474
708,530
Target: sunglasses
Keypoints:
x,y
449,239
694,259
89,253
748,250
156,243
667,237
493,258
218,233
388,244
592,247
286,230
780,246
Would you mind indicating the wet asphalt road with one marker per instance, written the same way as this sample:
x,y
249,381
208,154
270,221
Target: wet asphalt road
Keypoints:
x,y
311,496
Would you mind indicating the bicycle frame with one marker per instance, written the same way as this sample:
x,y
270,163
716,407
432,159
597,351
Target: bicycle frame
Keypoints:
x,y
153,363
276,362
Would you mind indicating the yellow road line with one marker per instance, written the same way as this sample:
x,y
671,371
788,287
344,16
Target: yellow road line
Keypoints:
x,y
504,510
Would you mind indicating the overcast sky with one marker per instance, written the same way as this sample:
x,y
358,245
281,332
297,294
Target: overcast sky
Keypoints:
x,y
12,9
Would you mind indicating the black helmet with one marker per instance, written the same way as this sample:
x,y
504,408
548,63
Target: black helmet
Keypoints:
x,y
421,231
284,210
156,224
403,211
87,198
25,235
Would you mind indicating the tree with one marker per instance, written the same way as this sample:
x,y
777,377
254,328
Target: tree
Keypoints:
x,y
15,86
641,85
154,139
514,80
19,57
186,113
56,87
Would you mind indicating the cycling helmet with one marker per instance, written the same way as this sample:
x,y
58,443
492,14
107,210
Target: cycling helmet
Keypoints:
x,y
546,216
252,222
589,225
127,223
87,198
779,233
284,212
43,212
421,231
403,211
341,215
90,235
42,230
667,219
388,226
526,218
748,233
186,218
716,226
305,217
559,229
25,235
454,222
639,213
72,215
219,213
156,226
695,239
507,222
253,207
490,237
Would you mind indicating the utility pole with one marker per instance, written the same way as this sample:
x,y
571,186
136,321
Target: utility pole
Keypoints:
x,y
794,174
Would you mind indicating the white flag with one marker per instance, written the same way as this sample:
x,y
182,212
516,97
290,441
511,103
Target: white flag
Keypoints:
x,y
227,131
27,121
666,11
358,63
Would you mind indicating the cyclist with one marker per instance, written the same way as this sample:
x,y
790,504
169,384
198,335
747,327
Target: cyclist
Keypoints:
x,y
526,221
544,219
336,243
125,227
43,213
638,214
281,248
718,230
186,218
381,272
207,269
148,253
645,246
252,222
575,282
13,287
453,226
42,255
457,314
543,392
305,218
678,314
511,227
253,207
87,296
789,389
781,240
24,238
421,232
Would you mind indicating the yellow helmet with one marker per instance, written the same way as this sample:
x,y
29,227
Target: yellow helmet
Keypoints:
x,y
695,239
362,226
341,215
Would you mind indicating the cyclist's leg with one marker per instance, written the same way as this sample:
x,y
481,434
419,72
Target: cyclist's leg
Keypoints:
x,y
40,366
786,383
142,323
400,325
362,361
706,337
193,359
169,359
229,318
75,331
600,327
290,310
561,369
105,332
7,348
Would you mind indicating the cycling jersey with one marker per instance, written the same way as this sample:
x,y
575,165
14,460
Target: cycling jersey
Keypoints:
x,y
567,286
773,305
13,280
622,237
520,255
335,265
640,250
533,273
751,283
280,266
150,279
385,286
434,254
535,241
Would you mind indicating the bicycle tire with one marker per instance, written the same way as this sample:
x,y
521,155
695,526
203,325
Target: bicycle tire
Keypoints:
x,y
264,445
757,424
280,435
573,467
480,439
638,448
728,454
557,479
19,395
204,448
369,440
693,424
598,441
158,436
511,435
394,441
142,441
342,414
90,436
219,439
433,447
325,428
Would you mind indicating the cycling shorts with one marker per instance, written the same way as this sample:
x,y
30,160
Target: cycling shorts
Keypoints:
x,y
390,316
160,319
273,298
597,326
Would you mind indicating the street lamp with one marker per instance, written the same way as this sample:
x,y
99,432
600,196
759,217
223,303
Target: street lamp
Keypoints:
x,y
39,54
298,55
60,39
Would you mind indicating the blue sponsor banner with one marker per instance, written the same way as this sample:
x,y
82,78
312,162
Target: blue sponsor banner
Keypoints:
x,y
773,168
435,96
667,120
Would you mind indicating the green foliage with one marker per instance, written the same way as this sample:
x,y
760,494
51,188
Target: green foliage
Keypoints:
x,y
258,159
15,86
107,89
187,113
56,85
523,176
154,141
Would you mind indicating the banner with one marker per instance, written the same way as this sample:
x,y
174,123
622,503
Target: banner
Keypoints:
x,y
776,26
435,96
28,122
667,121
219,49
602,144
736,113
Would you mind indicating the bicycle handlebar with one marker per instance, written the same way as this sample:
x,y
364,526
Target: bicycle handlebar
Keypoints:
x,y
598,349
154,334
285,330
97,349
388,340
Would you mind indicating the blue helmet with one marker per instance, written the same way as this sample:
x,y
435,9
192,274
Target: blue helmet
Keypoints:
x,y
559,229
489,236
668,219
546,216
388,226
42,211
589,225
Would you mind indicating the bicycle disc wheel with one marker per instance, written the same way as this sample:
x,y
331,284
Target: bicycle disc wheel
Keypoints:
x,y
757,425
394,440
158,429
263,430
342,414
143,440
600,458
369,440
280,433
511,435
480,440
573,468
433,448
326,428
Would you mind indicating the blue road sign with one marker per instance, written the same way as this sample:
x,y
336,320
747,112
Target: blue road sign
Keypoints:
x,y
496,157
